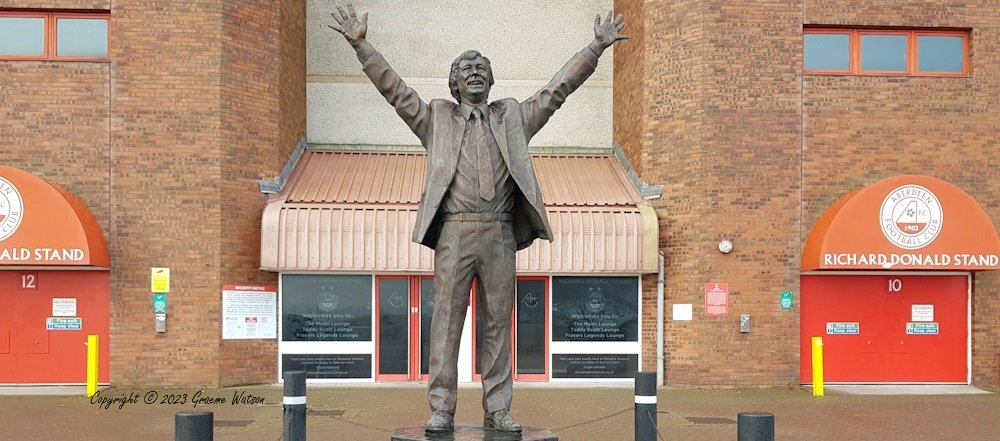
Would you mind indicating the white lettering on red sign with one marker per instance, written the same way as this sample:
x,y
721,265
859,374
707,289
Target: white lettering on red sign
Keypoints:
x,y
23,255
887,261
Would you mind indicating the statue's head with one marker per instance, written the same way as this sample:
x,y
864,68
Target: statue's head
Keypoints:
x,y
471,77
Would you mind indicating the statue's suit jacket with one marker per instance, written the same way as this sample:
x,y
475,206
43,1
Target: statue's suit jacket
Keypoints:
x,y
440,127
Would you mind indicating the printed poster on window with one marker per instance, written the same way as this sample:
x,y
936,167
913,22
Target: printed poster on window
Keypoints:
x,y
249,312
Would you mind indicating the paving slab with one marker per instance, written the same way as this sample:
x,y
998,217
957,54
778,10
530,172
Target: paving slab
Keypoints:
x,y
572,414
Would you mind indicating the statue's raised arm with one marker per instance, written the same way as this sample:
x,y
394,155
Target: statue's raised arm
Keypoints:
x,y
537,109
606,33
350,26
410,108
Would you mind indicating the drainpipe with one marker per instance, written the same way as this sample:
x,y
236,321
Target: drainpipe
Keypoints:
x,y
659,322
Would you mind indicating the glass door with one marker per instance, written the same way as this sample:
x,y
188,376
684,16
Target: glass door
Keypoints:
x,y
425,297
529,328
392,341
403,311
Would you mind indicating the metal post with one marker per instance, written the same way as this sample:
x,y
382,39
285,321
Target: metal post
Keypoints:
x,y
645,406
817,365
193,426
92,354
755,426
295,406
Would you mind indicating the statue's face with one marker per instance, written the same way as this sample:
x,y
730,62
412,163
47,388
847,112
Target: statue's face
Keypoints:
x,y
474,80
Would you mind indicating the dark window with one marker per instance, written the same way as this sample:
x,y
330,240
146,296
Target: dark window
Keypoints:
x,y
427,308
337,366
594,365
394,326
595,309
530,341
326,308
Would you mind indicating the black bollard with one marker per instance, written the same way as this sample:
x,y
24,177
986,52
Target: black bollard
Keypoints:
x,y
193,426
755,426
295,406
645,406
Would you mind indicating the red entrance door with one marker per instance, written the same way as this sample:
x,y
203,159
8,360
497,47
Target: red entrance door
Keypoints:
x,y
886,328
45,318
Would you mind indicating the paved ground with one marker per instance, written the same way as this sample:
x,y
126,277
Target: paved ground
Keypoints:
x,y
579,413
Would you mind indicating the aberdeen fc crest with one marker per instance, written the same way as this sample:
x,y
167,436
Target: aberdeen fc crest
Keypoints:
x,y
11,209
911,217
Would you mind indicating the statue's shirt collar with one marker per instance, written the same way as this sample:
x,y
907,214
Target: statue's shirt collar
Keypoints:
x,y
466,110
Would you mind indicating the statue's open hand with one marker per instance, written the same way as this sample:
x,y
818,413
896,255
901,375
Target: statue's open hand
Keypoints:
x,y
609,31
348,24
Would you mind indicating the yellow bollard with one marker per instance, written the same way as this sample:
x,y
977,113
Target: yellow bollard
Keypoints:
x,y
817,353
91,365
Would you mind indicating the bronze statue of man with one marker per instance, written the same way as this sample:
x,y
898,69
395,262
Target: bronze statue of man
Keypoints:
x,y
481,202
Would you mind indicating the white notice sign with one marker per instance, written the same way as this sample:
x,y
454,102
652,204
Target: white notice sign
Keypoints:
x,y
249,311
922,313
683,311
63,307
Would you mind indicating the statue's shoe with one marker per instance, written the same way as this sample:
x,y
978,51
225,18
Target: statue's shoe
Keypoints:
x,y
501,421
440,422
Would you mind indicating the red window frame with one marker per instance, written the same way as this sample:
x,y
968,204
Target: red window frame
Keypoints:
x,y
546,357
912,50
413,352
859,52
410,349
50,34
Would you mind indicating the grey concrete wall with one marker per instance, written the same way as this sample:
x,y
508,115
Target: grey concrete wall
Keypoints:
x,y
527,41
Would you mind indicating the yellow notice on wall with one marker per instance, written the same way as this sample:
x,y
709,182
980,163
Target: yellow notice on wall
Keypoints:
x,y
159,280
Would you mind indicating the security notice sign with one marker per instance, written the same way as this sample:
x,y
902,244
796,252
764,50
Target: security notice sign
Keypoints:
x,y
249,311
716,299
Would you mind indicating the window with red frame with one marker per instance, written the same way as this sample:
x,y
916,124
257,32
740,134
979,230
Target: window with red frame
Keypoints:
x,y
42,35
902,52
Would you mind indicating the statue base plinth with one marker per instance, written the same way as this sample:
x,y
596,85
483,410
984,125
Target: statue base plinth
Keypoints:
x,y
472,432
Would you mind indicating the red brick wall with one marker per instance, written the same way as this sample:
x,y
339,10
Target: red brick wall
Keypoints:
x,y
292,87
54,119
166,196
250,130
751,150
165,144
860,129
629,87
722,135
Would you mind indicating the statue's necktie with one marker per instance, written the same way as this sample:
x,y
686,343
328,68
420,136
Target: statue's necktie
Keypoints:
x,y
485,166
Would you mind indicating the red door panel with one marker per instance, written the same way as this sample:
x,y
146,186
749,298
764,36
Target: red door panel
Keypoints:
x,y
35,354
33,341
882,350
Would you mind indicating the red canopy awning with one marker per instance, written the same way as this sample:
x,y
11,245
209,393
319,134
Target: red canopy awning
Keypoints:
x,y
43,224
904,222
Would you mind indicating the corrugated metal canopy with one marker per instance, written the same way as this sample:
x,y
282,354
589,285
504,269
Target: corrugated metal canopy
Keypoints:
x,y
355,212
398,178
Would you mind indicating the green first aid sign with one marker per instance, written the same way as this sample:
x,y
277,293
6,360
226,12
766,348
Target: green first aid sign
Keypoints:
x,y
159,303
786,300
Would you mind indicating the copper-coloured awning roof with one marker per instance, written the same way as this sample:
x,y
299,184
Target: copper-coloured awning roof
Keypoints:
x,y
355,212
